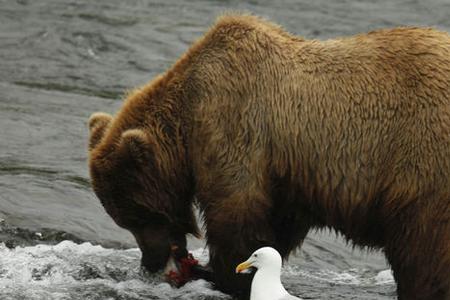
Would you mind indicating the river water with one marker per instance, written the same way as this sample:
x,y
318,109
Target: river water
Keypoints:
x,y
61,60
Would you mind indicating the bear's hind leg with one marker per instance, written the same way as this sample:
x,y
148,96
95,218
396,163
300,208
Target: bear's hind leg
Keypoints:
x,y
421,264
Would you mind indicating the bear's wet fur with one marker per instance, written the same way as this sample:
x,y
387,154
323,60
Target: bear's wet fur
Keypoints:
x,y
273,135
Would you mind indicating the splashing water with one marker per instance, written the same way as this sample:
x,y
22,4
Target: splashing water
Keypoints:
x,y
84,271
71,271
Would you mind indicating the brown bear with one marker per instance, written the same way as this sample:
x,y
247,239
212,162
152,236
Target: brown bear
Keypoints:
x,y
273,135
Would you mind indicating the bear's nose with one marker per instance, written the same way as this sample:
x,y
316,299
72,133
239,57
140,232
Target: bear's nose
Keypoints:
x,y
151,265
154,261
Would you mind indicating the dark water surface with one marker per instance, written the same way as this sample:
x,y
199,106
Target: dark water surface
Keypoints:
x,y
60,61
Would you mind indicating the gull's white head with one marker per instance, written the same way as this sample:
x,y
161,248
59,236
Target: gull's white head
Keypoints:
x,y
266,284
263,258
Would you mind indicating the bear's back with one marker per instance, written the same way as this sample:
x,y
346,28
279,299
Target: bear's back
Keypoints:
x,y
373,107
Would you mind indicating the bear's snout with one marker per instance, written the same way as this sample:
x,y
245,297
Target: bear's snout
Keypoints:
x,y
154,263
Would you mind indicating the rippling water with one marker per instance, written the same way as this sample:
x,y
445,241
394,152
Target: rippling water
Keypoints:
x,y
83,271
61,60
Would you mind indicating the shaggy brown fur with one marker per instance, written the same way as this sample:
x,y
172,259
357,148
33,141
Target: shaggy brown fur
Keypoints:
x,y
275,135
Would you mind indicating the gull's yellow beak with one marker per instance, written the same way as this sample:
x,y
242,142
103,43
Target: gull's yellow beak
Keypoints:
x,y
243,266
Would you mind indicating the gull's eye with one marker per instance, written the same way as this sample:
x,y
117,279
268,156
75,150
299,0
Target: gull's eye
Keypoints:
x,y
255,255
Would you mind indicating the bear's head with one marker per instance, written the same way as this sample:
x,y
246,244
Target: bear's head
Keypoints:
x,y
143,185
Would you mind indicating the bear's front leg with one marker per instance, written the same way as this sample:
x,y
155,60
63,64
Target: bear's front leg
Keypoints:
x,y
236,227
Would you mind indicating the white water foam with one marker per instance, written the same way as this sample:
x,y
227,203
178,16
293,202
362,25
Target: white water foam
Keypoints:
x,y
384,277
349,277
71,271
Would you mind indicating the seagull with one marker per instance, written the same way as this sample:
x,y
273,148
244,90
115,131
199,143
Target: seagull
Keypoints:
x,y
266,284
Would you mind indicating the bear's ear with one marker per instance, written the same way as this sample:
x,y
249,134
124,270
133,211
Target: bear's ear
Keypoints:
x,y
98,122
135,144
